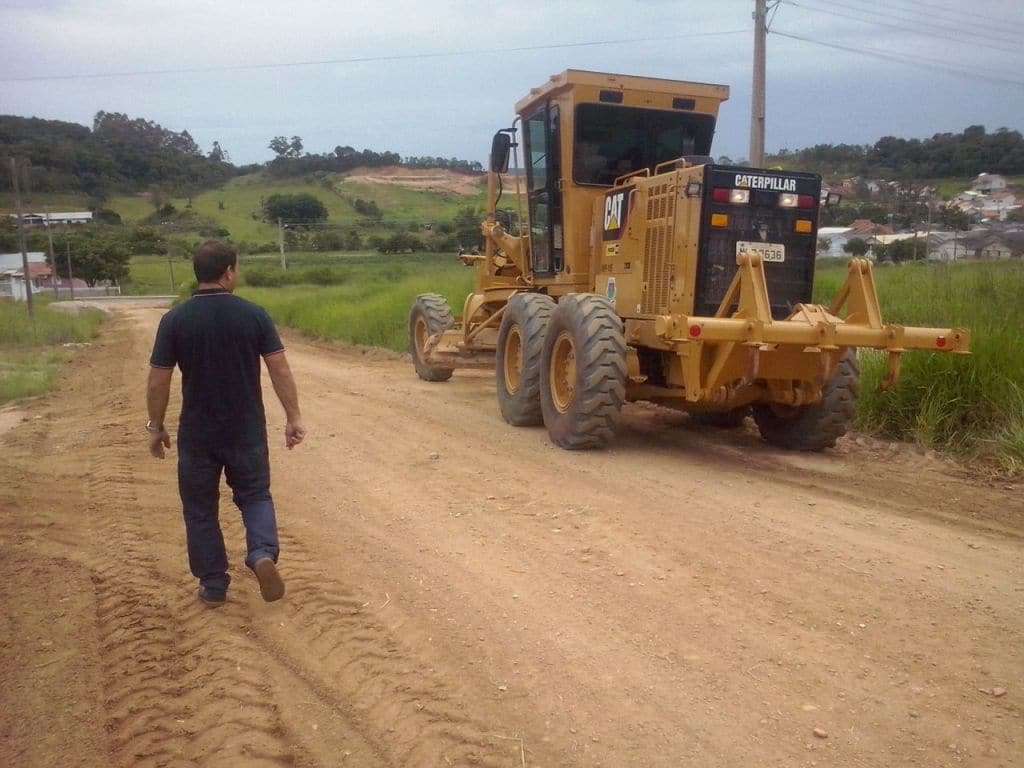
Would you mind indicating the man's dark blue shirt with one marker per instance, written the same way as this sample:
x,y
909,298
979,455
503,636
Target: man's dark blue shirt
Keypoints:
x,y
218,341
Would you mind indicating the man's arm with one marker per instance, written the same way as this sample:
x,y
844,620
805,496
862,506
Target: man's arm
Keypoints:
x,y
288,394
158,392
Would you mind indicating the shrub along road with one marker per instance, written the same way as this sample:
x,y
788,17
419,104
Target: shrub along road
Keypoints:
x,y
463,593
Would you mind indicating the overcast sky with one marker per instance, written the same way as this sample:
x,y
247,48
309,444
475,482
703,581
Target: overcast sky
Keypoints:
x,y
451,106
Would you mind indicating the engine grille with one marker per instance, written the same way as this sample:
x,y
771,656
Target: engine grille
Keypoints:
x,y
659,267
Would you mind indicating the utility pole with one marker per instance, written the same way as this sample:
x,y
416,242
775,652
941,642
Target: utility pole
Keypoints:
x,y
21,238
71,275
170,266
758,92
280,244
53,261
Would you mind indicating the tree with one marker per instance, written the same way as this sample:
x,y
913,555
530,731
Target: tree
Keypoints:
x,y
218,155
856,246
95,256
302,208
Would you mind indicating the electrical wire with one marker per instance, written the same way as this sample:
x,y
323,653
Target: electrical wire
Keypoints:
x,y
364,59
902,58
960,17
955,35
995,33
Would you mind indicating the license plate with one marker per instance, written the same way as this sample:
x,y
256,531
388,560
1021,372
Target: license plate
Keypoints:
x,y
767,251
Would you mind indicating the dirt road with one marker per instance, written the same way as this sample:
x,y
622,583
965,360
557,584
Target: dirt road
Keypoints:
x,y
462,593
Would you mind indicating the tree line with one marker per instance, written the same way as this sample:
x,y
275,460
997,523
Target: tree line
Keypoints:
x,y
943,155
119,153
290,159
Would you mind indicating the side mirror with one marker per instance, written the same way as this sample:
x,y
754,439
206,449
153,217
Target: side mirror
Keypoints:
x,y
832,198
501,145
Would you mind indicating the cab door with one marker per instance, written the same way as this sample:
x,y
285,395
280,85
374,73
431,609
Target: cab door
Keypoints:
x,y
542,134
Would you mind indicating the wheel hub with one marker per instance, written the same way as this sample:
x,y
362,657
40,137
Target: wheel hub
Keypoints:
x,y
513,360
563,372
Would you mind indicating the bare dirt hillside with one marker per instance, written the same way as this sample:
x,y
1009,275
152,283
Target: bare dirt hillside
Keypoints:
x,y
463,594
423,179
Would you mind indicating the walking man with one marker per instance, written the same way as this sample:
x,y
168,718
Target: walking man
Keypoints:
x,y
217,340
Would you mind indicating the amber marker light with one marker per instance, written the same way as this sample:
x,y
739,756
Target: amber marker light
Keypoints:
x,y
804,226
720,220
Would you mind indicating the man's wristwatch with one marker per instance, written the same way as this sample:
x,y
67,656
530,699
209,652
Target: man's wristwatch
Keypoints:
x,y
154,429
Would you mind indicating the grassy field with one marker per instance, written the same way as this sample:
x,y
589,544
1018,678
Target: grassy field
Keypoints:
x,y
371,304
31,351
968,404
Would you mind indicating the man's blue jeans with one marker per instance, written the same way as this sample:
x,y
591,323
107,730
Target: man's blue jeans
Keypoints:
x,y
247,470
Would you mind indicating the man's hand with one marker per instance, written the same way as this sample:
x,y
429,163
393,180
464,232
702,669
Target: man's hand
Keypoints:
x,y
294,433
158,441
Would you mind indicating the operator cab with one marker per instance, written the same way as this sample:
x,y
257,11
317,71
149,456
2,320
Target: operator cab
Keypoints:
x,y
583,130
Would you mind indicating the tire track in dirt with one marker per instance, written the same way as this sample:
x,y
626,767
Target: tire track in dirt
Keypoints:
x,y
360,669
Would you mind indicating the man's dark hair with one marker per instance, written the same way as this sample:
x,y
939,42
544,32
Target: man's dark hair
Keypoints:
x,y
212,260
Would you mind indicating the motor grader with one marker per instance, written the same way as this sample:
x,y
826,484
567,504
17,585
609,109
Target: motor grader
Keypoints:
x,y
642,270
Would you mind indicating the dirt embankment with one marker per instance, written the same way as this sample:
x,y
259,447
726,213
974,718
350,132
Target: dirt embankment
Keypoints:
x,y
462,593
422,179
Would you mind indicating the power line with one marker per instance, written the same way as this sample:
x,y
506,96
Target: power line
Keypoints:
x,y
959,16
902,58
364,59
955,35
995,33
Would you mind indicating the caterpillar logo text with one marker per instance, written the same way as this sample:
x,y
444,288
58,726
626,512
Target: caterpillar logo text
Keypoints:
x,y
774,183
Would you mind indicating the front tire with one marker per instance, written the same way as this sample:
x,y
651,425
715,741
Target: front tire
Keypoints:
x,y
583,372
815,427
430,315
521,337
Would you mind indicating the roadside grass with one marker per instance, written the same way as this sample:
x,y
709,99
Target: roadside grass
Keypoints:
x,y
31,350
371,305
969,404
151,275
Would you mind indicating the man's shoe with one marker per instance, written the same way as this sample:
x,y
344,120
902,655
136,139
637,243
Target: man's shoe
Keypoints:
x,y
213,599
271,584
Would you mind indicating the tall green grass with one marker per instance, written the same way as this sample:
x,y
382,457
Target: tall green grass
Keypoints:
x,y
372,306
30,348
969,404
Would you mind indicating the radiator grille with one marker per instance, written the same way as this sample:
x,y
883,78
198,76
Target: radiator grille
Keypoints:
x,y
659,268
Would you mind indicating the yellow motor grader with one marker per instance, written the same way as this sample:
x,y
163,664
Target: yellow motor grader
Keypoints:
x,y
642,270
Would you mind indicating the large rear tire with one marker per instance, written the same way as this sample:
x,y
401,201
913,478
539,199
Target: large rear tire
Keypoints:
x,y
518,358
583,372
815,427
430,315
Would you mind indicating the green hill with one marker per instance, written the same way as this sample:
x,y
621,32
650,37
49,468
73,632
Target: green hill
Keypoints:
x,y
237,205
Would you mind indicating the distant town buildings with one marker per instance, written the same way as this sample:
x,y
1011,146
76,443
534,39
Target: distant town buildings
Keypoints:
x,y
42,278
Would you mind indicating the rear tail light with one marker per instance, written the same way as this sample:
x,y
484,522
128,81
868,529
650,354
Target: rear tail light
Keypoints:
x,y
805,201
733,196
788,200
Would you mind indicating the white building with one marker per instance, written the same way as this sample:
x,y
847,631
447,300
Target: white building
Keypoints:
x,y
836,237
987,183
41,218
